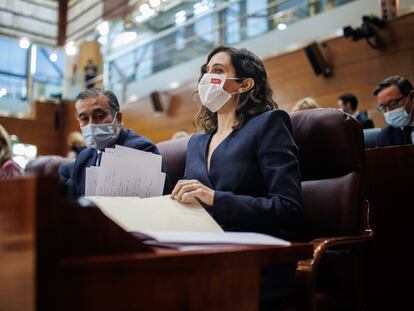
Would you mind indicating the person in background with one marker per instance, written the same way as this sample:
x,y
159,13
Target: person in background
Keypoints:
x,y
244,169
395,98
348,103
180,134
8,168
304,104
90,71
75,143
101,124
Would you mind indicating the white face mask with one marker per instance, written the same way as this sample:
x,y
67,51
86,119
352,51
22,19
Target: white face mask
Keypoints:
x,y
397,117
100,136
212,94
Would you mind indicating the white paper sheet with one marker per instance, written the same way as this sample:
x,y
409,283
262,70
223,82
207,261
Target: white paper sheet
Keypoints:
x,y
243,238
91,179
158,213
151,160
122,175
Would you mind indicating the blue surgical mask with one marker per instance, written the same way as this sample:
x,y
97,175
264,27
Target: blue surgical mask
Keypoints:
x,y
100,136
397,117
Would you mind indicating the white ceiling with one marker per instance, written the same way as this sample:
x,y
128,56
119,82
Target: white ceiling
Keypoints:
x,y
35,19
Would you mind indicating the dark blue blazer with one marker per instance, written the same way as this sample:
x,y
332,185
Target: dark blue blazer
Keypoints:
x,y
87,157
255,174
393,136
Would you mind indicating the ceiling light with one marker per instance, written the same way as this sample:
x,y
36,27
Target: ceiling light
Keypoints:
x,y
53,57
281,26
3,92
202,6
173,85
70,48
180,17
24,43
133,98
154,3
103,28
146,11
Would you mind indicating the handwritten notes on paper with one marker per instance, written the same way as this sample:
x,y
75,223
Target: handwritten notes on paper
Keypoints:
x,y
126,172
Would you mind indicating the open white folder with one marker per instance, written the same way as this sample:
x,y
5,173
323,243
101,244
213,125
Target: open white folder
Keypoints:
x,y
165,222
157,213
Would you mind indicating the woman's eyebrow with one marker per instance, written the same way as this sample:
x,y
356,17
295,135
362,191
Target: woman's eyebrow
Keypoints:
x,y
207,68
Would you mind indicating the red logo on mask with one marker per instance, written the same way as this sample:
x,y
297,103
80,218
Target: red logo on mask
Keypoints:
x,y
215,81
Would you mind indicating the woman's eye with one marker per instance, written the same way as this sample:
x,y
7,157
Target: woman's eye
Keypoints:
x,y
217,70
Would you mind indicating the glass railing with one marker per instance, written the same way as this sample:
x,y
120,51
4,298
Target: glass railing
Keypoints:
x,y
13,96
229,24
26,75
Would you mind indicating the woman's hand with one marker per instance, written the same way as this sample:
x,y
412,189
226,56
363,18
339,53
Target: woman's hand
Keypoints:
x,y
186,191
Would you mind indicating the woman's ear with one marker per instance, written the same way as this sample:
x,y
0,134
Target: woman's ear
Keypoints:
x,y
246,85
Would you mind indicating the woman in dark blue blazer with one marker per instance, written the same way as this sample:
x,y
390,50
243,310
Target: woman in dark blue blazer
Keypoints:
x,y
244,167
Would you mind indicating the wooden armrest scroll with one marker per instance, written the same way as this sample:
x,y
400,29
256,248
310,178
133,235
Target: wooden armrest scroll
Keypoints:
x,y
306,270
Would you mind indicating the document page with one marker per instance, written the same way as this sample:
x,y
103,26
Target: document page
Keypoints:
x,y
158,213
126,172
161,221
243,238
91,180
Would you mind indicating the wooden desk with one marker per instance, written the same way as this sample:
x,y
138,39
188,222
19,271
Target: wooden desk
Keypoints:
x,y
390,180
85,262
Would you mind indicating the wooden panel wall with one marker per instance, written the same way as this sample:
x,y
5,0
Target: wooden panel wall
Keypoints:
x,y
179,111
357,68
47,130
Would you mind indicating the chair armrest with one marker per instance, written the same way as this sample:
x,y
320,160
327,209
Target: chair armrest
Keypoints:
x,y
307,269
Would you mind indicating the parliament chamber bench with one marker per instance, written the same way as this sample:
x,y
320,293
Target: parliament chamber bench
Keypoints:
x,y
68,257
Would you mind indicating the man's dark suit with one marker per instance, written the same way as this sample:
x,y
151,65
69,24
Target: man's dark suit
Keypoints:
x,y
394,136
88,157
366,123
255,174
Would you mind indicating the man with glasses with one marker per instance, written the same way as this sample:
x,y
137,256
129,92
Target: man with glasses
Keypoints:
x,y
395,98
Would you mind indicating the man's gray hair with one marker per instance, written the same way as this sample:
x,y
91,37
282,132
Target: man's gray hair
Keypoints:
x,y
112,100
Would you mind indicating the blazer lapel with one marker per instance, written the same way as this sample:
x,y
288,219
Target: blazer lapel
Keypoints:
x,y
205,146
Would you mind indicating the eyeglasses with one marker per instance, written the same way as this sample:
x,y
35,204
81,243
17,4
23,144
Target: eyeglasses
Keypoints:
x,y
391,104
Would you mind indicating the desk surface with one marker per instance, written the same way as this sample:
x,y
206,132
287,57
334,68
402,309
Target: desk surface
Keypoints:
x,y
42,268
217,279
